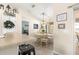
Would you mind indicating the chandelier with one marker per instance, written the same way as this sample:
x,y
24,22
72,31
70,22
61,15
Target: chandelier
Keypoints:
x,y
43,20
43,24
8,10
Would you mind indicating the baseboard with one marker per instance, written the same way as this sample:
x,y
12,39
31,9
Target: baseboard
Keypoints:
x,y
57,53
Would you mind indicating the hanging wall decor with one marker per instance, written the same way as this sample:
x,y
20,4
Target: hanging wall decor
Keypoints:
x,y
8,24
61,17
61,26
8,10
35,26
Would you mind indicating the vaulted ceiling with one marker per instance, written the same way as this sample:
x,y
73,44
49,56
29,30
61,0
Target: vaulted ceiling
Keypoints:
x,y
36,9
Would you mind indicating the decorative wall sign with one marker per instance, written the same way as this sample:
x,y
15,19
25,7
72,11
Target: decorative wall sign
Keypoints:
x,y
35,26
61,26
9,24
61,17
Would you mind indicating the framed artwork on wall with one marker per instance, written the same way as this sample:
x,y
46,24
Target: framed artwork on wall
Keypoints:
x,y
9,24
61,17
25,27
35,26
61,26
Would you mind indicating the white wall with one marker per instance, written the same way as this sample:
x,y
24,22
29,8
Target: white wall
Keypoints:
x,y
63,38
23,16
1,23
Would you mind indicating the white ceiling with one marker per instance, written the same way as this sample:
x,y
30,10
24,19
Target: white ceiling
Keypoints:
x,y
37,11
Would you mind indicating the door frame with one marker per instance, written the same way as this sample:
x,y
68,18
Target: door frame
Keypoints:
x,y
75,41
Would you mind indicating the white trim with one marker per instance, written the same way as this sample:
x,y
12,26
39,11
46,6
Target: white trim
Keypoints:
x,y
57,53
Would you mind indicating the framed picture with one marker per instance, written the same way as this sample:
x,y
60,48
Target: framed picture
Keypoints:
x,y
61,26
61,17
35,26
